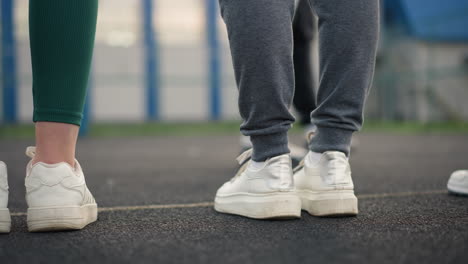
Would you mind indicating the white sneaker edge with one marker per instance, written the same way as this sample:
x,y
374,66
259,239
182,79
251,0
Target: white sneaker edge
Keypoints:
x,y
5,220
272,206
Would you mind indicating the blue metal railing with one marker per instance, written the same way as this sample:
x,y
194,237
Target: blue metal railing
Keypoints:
x,y
152,67
214,67
8,55
151,63
85,123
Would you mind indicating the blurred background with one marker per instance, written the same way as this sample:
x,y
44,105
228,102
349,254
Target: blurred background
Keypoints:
x,y
169,61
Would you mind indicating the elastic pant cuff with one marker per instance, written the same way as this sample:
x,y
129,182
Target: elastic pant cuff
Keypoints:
x,y
58,116
331,139
268,146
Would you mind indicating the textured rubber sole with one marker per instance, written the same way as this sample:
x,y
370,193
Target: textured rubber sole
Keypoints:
x,y
5,220
266,206
61,218
330,203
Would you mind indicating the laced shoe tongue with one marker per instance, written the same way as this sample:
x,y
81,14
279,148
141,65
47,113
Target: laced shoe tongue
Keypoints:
x,y
299,166
245,156
243,160
31,152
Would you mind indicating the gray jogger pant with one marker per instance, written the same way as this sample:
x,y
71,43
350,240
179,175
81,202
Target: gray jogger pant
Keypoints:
x,y
261,41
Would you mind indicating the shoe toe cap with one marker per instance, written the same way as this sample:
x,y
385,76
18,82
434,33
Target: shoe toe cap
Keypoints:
x,y
226,188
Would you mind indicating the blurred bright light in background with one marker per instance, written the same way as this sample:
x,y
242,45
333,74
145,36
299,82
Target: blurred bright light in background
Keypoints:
x,y
119,38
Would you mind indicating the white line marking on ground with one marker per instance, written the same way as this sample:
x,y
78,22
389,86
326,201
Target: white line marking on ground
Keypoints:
x,y
155,206
400,194
209,204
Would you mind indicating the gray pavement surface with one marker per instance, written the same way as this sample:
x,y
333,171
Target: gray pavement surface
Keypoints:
x,y
405,214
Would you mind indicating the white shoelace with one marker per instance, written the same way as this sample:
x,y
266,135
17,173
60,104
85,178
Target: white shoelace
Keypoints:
x,y
243,160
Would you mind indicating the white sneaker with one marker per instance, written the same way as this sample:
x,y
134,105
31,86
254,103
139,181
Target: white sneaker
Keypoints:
x,y
267,192
57,196
5,219
326,188
458,182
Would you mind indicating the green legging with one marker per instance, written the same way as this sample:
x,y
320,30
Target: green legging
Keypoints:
x,y
62,40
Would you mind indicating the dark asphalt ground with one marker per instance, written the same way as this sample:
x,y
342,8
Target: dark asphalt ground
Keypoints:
x,y
405,214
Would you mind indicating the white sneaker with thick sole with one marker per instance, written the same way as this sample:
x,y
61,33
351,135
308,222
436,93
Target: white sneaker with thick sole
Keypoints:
x,y
261,193
5,219
326,188
57,197
458,182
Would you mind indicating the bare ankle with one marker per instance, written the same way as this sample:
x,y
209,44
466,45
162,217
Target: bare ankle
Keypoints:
x,y
55,143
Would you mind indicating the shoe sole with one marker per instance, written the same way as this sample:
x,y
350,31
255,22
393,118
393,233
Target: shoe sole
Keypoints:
x,y
268,206
42,219
453,189
5,220
331,203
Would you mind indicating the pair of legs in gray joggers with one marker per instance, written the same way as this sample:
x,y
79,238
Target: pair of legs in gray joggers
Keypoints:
x,y
261,40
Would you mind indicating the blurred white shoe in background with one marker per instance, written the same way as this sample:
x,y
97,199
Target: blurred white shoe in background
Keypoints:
x,y
458,182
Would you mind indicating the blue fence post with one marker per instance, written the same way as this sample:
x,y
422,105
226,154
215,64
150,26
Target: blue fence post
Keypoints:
x,y
84,128
151,63
214,67
8,54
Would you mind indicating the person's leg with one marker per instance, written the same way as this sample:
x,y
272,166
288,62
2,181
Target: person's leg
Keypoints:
x,y
260,35
55,142
304,31
348,33
62,40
